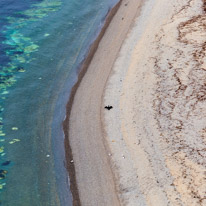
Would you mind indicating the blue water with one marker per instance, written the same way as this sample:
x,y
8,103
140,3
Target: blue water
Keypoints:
x,y
42,43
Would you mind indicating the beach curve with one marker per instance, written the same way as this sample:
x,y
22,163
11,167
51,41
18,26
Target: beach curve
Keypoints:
x,y
149,149
92,180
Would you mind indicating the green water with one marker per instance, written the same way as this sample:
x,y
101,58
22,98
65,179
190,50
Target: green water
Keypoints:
x,y
42,46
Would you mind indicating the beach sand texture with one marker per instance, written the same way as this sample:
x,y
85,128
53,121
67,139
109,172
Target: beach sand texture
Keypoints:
x,y
94,177
157,128
150,149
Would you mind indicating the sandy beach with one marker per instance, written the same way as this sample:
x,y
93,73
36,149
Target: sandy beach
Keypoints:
x,y
150,148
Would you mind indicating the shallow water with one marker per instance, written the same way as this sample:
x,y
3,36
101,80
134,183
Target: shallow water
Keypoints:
x,y
42,43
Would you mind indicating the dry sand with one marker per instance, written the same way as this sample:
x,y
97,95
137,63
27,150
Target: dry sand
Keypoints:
x,y
157,129
150,149
93,173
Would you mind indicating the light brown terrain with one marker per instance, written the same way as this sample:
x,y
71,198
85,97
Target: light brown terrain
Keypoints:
x,y
94,176
157,129
150,149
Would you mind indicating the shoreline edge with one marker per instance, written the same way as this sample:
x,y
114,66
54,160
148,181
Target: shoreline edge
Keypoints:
x,y
82,71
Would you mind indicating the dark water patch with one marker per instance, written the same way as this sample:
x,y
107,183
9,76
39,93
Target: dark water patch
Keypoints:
x,y
6,163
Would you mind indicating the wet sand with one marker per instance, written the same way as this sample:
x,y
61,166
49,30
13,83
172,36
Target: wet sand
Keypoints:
x,y
149,150
92,180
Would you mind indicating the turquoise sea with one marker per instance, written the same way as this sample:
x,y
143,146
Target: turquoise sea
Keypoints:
x,y
42,44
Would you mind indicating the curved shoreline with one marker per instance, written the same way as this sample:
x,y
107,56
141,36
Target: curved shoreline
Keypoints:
x,y
139,153
84,136
83,69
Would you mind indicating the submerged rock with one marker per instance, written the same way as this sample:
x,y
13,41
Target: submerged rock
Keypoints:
x,y
20,69
3,172
6,163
